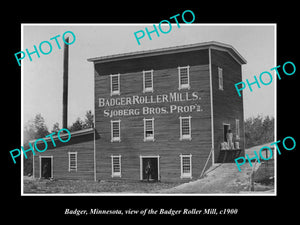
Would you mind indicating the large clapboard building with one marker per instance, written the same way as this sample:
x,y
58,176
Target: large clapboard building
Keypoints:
x,y
168,109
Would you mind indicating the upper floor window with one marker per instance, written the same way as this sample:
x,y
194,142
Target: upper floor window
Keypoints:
x,y
115,84
149,129
184,77
220,76
115,130
148,81
185,128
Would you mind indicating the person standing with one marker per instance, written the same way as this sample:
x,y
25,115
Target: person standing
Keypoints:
x,y
45,171
148,171
229,137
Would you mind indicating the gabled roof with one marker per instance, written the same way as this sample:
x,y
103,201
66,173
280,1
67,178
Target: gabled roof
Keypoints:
x,y
176,49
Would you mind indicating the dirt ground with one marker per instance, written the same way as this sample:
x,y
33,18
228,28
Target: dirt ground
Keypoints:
x,y
221,178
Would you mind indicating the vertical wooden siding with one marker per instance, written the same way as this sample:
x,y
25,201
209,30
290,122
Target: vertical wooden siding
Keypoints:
x,y
227,105
84,146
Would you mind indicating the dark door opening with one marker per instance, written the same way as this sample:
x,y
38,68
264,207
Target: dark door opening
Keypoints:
x,y
226,128
46,168
150,169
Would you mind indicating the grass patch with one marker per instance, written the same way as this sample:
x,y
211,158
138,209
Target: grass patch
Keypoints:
x,y
82,186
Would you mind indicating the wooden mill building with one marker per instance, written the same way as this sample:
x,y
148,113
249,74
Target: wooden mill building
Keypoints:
x,y
167,109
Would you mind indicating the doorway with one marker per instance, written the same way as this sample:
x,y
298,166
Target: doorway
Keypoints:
x,y
46,167
149,168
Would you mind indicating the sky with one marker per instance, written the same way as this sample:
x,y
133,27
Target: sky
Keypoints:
x,y
42,78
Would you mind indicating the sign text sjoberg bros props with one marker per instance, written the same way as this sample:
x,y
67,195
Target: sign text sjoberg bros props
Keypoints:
x,y
173,97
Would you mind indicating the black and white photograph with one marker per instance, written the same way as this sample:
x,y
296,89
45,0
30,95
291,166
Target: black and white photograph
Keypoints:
x,y
149,116
150,113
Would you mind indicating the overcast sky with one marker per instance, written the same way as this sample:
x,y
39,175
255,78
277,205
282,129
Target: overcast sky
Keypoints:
x,y
42,77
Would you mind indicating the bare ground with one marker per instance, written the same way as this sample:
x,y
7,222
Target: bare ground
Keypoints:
x,y
222,178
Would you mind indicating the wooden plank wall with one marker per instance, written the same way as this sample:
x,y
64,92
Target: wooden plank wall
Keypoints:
x,y
167,126
83,145
227,105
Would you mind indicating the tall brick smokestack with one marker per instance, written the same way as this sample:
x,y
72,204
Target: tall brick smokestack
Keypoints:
x,y
65,84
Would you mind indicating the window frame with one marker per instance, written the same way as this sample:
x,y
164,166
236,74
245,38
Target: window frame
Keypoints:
x,y
145,136
69,156
182,173
180,85
111,85
113,173
221,78
185,136
115,139
147,89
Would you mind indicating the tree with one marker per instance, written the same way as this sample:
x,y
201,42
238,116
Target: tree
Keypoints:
x,y
41,128
87,122
268,129
55,128
89,119
77,125
259,130
33,129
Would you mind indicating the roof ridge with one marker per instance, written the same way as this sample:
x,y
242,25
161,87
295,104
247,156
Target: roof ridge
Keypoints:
x,y
128,55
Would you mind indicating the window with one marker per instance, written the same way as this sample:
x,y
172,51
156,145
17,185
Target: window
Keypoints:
x,y
184,77
116,166
72,161
237,128
115,130
149,129
148,81
115,84
186,166
185,128
220,75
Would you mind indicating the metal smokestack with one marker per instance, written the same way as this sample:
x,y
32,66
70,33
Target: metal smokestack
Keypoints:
x,y
65,84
